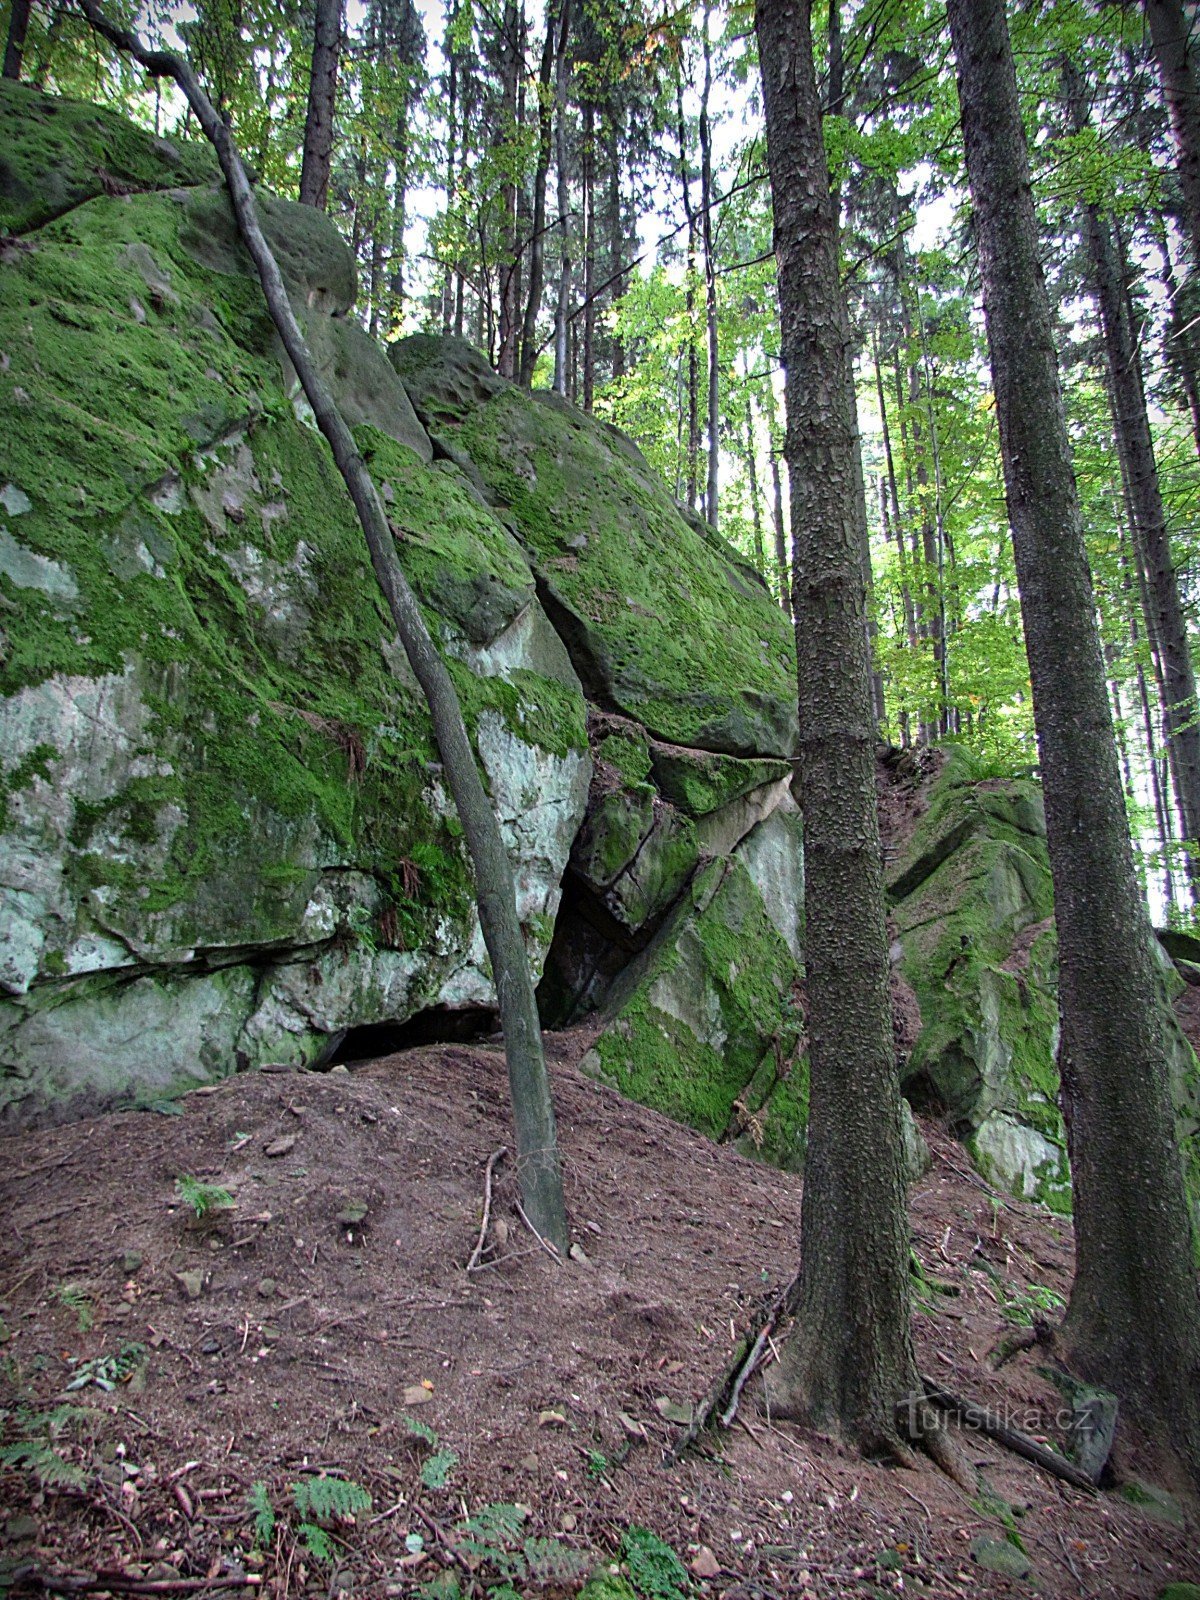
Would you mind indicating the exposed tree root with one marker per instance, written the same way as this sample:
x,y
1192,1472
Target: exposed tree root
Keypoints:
x,y
987,1423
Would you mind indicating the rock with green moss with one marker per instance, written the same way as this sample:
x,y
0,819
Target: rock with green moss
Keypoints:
x,y
704,1025
55,154
973,906
665,625
224,831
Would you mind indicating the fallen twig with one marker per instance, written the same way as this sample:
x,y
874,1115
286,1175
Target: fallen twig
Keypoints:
x,y
724,1395
495,1156
986,1422
545,1243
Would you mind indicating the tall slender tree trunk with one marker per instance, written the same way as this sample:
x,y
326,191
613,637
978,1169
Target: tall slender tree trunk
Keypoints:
x,y
322,97
508,266
711,499
452,113
1176,46
533,1110
1179,349
1133,1323
783,567
756,521
850,1359
1135,445
616,233
561,84
589,255
541,177
14,46
693,375
892,490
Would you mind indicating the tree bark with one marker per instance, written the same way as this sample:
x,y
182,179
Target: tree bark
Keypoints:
x,y
783,567
693,375
711,498
541,176
588,354
14,46
561,319
512,37
533,1111
616,234
322,94
849,1360
756,521
1135,444
1175,50
1133,1323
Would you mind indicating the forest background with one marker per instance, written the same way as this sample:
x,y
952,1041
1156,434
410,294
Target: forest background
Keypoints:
x,y
580,189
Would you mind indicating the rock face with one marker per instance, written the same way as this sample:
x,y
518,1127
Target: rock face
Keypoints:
x,y
973,906
224,837
680,921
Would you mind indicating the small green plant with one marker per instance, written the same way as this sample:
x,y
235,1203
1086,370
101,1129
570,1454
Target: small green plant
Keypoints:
x,y
1030,1305
360,925
202,1197
494,1539
37,1446
438,1465
263,1513
597,1464
655,1571
75,1299
320,1502
106,1372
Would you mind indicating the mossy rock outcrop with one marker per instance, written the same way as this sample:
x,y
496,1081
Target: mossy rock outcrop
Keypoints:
x,y
665,623
973,906
224,834
705,1025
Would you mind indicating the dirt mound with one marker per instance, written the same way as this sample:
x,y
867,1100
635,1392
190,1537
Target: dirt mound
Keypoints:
x,y
292,1335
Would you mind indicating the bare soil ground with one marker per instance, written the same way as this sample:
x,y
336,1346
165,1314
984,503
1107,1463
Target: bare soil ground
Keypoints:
x,y
291,1335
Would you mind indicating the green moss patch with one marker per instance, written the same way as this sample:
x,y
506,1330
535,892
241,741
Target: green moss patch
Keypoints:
x,y
55,154
661,626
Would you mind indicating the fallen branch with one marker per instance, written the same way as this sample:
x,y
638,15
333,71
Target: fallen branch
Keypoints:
x,y
545,1243
722,1399
986,1422
533,1111
495,1156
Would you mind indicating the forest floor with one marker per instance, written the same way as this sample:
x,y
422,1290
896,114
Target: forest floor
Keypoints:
x,y
293,1334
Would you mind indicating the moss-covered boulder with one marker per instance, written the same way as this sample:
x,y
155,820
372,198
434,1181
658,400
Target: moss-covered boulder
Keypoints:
x,y
56,154
706,1025
973,906
224,834
665,623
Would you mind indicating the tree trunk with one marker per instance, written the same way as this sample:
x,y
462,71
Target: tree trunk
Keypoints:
x,y
693,375
541,176
783,567
561,320
1133,1323
756,521
711,501
589,255
533,1110
14,48
1135,445
849,1360
508,267
322,94
1172,34
616,235
910,625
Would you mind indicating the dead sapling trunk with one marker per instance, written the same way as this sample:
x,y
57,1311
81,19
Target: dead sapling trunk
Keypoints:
x,y
533,1111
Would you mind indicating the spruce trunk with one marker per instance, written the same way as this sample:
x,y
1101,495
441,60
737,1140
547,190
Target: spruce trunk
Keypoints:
x,y
849,1361
1133,1323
